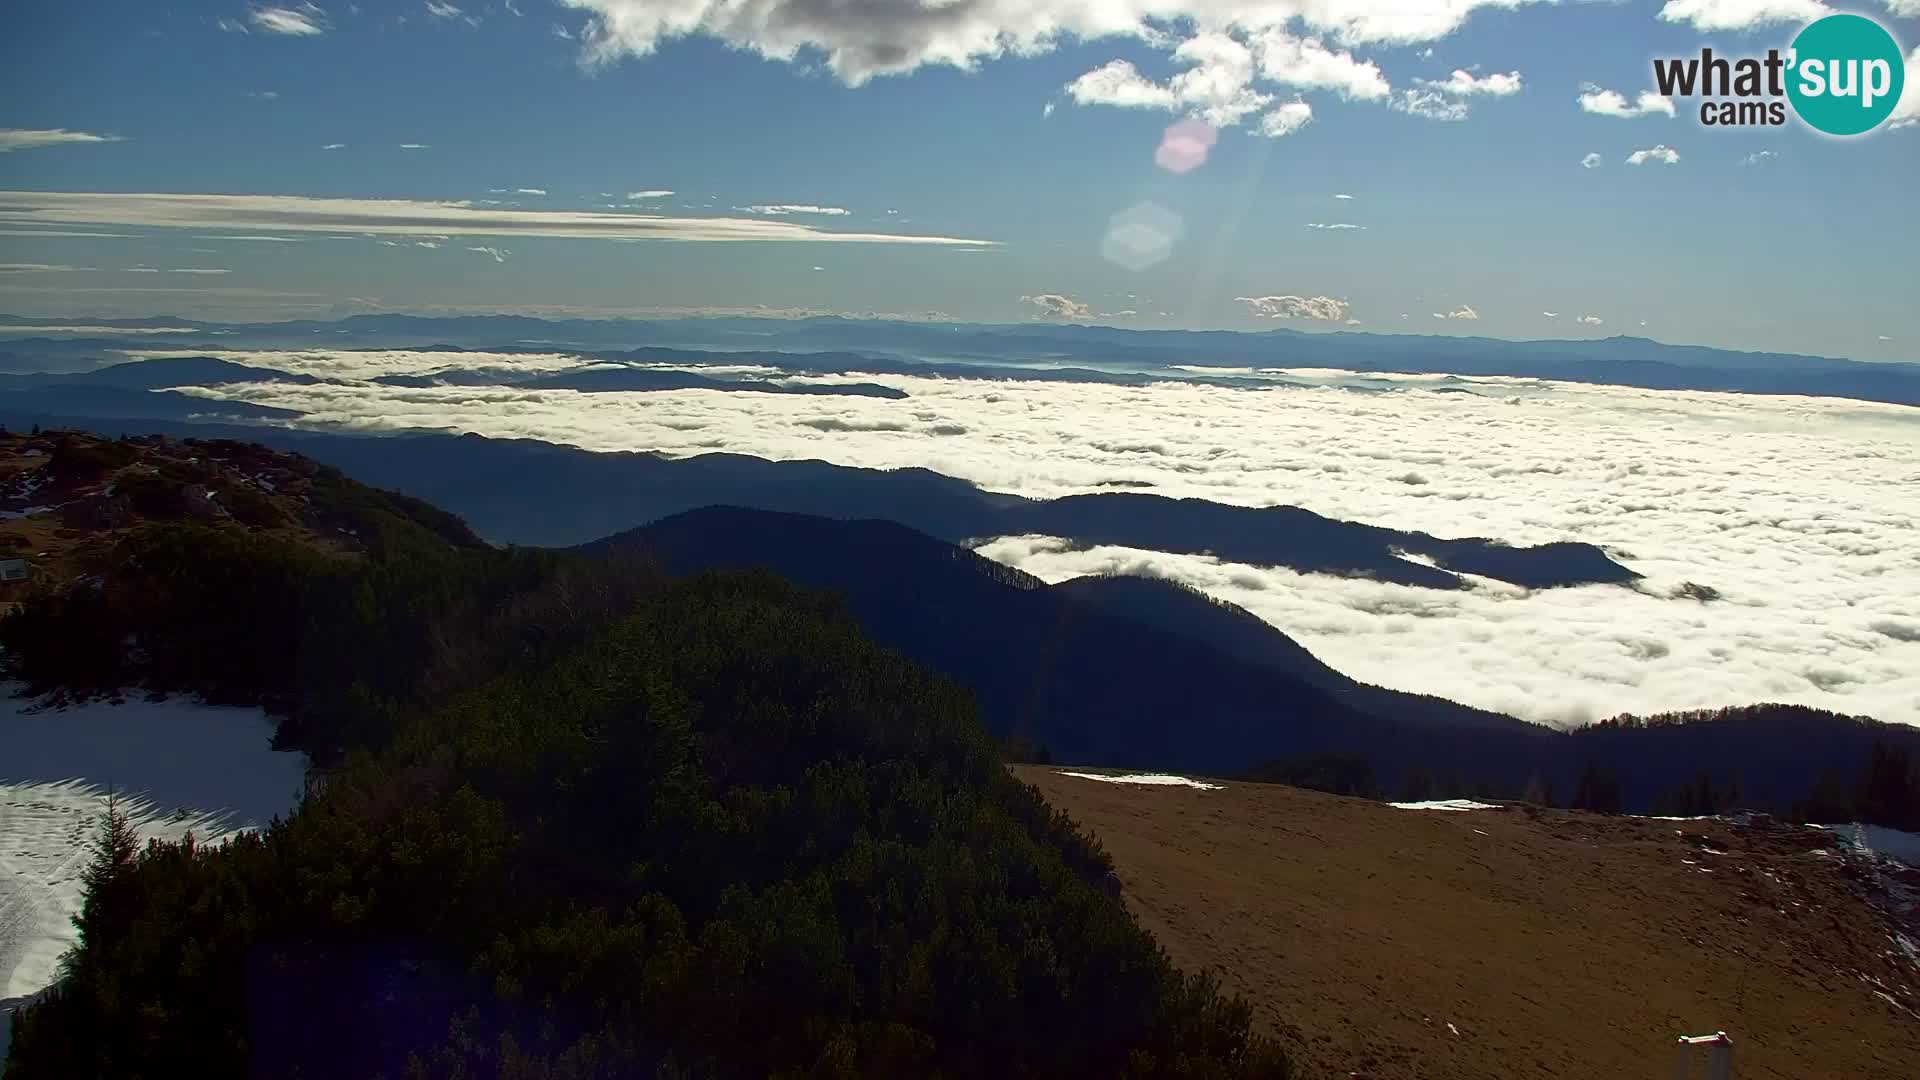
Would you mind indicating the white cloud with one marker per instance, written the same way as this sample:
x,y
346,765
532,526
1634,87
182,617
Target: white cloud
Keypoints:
x,y
302,20
861,41
783,209
1216,86
1306,64
173,270
529,191
1336,225
1056,306
1795,509
1466,84
499,254
414,146
1461,312
1322,308
1603,102
650,193
28,138
1907,112
1551,314
1343,196
1591,161
264,95
1285,119
39,268
335,146
442,10
1758,157
290,213
1742,14
1431,104
1589,320
1663,153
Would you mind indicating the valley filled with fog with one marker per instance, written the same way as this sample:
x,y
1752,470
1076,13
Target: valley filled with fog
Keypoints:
x,y
1795,511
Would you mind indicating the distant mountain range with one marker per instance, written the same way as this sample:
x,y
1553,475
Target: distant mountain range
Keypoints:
x,y
1101,352
1134,672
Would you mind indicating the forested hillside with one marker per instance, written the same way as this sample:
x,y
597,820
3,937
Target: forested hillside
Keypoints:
x,y
579,821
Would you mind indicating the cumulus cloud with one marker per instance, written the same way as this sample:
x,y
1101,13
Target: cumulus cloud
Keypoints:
x,y
1307,64
1551,314
1591,161
1589,320
862,41
1793,509
1431,104
1464,83
28,138
1056,306
1323,308
650,193
1907,112
1742,14
1664,154
1216,86
1461,312
301,20
407,217
1603,102
1286,119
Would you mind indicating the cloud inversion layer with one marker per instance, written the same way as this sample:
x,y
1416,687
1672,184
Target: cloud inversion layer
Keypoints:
x,y
1794,509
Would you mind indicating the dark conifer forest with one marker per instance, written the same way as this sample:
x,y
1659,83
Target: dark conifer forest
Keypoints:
x,y
583,822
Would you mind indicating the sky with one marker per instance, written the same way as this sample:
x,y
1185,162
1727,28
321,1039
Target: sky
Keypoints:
x,y
1432,166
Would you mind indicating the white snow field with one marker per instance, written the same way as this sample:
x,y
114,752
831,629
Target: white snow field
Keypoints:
x,y
176,766
1160,779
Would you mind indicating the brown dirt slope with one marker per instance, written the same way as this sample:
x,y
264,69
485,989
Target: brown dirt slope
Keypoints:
x,y
1556,943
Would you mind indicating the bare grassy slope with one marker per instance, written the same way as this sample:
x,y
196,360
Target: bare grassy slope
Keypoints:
x,y
1557,944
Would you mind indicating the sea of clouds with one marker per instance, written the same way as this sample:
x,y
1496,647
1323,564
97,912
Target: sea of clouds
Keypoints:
x,y
1799,511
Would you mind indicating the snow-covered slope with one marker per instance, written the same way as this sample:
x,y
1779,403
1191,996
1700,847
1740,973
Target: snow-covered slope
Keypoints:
x,y
176,766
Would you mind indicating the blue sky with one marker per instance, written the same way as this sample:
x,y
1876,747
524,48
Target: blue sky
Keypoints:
x,y
989,194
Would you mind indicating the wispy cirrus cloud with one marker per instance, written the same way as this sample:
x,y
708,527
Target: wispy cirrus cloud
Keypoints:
x,y
300,20
400,217
29,138
784,209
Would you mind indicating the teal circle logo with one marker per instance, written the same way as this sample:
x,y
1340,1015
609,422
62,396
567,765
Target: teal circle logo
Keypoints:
x,y
1845,74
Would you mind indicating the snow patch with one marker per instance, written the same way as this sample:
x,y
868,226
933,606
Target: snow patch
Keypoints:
x,y
1445,804
176,766
1159,779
